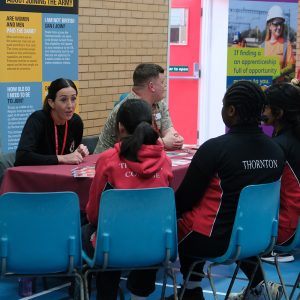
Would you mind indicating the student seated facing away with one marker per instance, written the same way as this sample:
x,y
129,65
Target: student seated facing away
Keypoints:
x,y
208,197
53,135
149,85
137,161
283,112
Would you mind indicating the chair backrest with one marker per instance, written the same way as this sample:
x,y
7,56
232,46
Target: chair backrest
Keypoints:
x,y
256,221
40,232
90,142
121,98
7,160
294,246
136,227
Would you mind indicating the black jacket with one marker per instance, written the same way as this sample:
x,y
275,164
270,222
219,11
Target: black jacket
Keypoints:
x,y
37,142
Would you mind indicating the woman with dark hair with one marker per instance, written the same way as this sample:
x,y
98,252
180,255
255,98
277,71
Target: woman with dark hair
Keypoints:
x,y
53,135
283,113
137,161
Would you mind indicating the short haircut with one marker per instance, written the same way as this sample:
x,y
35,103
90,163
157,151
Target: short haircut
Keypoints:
x,y
143,73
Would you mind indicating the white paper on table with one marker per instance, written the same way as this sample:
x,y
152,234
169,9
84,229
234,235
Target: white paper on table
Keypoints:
x,y
175,153
188,157
83,171
179,162
190,146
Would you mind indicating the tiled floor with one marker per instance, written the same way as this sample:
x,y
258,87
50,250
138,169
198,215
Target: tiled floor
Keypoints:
x,y
58,289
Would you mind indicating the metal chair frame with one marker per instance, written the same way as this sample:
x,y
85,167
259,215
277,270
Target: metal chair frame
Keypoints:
x,y
40,235
124,223
292,248
241,246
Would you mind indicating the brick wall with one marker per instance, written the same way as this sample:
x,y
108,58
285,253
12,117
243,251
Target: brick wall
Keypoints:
x,y
115,36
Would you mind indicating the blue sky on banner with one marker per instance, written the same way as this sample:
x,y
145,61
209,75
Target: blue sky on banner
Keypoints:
x,y
262,7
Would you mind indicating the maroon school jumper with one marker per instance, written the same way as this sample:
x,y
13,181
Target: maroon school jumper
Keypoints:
x,y
153,170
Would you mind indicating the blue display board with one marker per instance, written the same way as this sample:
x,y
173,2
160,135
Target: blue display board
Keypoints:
x,y
39,43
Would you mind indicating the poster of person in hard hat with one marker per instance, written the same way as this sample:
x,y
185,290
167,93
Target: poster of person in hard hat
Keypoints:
x,y
269,29
277,42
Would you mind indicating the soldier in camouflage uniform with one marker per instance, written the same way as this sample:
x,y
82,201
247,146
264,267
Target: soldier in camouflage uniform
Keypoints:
x,y
148,80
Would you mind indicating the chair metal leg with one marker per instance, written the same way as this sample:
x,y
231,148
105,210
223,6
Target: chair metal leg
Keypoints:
x,y
172,275
297,283
236,270
174,283
81,285
281,278
86,284
251,278
164,283
209,275
183,288
265,278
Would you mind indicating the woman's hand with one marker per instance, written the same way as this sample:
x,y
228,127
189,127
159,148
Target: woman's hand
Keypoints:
x,y
83,150
74,158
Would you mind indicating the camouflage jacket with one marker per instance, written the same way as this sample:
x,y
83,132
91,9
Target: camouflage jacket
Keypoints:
x,y
108,136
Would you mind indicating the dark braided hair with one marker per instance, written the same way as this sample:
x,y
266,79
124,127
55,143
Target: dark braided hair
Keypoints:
x,y
248,99
286,97
136,117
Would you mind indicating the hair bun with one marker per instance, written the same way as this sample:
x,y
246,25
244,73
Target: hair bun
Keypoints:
x,y
295,81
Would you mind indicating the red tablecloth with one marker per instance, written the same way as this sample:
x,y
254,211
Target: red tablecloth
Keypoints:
x,y
56,178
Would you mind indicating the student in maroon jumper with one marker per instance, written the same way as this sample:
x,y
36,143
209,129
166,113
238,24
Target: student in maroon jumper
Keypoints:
x,y
137,161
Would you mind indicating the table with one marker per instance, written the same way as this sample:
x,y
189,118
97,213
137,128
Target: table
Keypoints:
x,y
56,178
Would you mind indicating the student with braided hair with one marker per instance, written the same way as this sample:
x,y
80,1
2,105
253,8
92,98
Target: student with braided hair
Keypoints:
x,y
282,111
137,161
208,196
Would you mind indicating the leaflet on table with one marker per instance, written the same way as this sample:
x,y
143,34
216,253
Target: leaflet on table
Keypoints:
x,y
179,162
190,146
83,171
175,153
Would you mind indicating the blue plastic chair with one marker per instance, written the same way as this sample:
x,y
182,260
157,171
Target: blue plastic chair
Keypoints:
x,y
40,235
121,98
292,248
136,230
254,232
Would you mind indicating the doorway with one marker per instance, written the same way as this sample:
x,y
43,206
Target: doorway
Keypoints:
x,y
184,67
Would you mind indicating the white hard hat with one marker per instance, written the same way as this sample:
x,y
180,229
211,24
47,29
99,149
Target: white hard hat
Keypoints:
x,y
275,12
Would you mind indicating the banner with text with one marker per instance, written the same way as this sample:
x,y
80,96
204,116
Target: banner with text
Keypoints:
x,y
262,41
39,43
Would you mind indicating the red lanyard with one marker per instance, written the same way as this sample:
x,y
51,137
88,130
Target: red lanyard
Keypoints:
x,y
56,138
